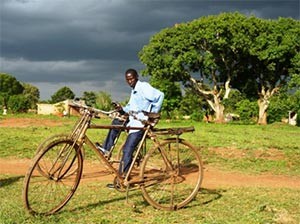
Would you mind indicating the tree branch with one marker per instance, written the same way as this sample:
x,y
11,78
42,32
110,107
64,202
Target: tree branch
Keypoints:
x,y
204,92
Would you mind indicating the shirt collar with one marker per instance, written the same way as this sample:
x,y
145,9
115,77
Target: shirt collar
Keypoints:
x,y
134,90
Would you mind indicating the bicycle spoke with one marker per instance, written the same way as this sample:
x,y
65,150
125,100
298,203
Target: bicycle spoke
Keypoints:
x,y
172,175
53,178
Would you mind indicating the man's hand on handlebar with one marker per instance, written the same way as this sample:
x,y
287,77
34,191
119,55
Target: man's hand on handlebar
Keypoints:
x,y
118,107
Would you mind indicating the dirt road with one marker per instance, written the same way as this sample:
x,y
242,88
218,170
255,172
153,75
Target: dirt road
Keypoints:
x,y
213,178
94,171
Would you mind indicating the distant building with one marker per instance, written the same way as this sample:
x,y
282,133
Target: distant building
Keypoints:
x,y
63,108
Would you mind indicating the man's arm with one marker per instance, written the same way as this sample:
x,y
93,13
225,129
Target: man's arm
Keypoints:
x,y
157,103
155,97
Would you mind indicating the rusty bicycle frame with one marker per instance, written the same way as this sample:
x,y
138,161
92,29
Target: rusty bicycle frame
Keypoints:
x,y
61,168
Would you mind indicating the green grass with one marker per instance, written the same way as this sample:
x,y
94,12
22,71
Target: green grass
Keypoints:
x,y
255,149
93,203
273,148
257,144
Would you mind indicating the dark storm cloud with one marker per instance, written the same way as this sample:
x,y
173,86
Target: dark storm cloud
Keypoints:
x,y
65,31
75,30
89,44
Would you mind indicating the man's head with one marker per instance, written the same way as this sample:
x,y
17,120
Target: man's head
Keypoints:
x,y
131,77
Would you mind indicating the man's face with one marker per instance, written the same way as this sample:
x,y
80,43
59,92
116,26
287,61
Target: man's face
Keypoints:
x,y
131,79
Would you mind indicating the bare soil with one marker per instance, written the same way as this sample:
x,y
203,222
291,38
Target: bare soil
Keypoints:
x,y
213,177
28,122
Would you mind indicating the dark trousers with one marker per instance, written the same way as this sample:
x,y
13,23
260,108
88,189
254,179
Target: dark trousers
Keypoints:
x,y
132,141
112,135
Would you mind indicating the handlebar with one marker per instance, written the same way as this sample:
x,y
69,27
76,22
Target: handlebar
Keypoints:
x,y
92,109
151,118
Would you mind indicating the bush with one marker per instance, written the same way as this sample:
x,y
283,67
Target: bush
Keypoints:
x,y
298,118
247,110
197,116
230,103
277,109
281,104
18,103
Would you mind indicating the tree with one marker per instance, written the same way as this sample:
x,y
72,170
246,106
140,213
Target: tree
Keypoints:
x,y
210,49
32,94
194,105
62,94
90,98
9,86
214,54
273,59
172,93
18,103
294,95
103,101
286,100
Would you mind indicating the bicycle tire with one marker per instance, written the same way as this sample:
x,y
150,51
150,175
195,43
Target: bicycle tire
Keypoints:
x,y
44,144
46,193
171,185
48,140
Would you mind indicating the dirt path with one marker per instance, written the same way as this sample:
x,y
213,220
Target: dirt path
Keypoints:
x,y
29,122
213,178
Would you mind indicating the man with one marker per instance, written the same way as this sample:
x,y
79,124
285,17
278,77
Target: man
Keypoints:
x,y
143,97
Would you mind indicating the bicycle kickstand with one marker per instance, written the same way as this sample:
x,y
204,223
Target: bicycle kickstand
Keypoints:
x,y
132,205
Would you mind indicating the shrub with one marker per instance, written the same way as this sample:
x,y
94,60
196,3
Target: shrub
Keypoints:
x,y
247,110
18,103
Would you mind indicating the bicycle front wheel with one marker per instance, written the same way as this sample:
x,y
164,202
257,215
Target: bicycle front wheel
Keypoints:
x,y
48,191
172,174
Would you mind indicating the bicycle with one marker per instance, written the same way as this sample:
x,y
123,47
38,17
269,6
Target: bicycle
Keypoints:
x,y
169,175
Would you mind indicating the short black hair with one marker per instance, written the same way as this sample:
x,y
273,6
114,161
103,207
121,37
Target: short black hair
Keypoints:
x,y
132,71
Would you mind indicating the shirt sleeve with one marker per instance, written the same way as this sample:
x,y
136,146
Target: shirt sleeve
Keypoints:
x,y
145,97
126,108
154,96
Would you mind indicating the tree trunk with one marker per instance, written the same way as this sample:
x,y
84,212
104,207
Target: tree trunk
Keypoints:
x,y
216,102
263,104
219,113
262,115
227,89
218,108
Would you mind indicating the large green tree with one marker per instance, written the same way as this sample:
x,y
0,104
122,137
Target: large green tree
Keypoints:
x,y
209,50
9,86
214,54
273,58
62,94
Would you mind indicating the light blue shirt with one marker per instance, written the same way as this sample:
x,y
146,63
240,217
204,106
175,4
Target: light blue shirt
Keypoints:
x,y
143,97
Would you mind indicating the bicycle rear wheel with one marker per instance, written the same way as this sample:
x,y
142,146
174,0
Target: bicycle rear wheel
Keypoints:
x,y
172,173
48,191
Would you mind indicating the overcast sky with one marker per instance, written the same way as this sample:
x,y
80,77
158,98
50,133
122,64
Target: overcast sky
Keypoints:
x,y
88,44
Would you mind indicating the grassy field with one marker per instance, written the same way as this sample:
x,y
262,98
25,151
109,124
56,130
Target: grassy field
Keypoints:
x,y
93,203
272,149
